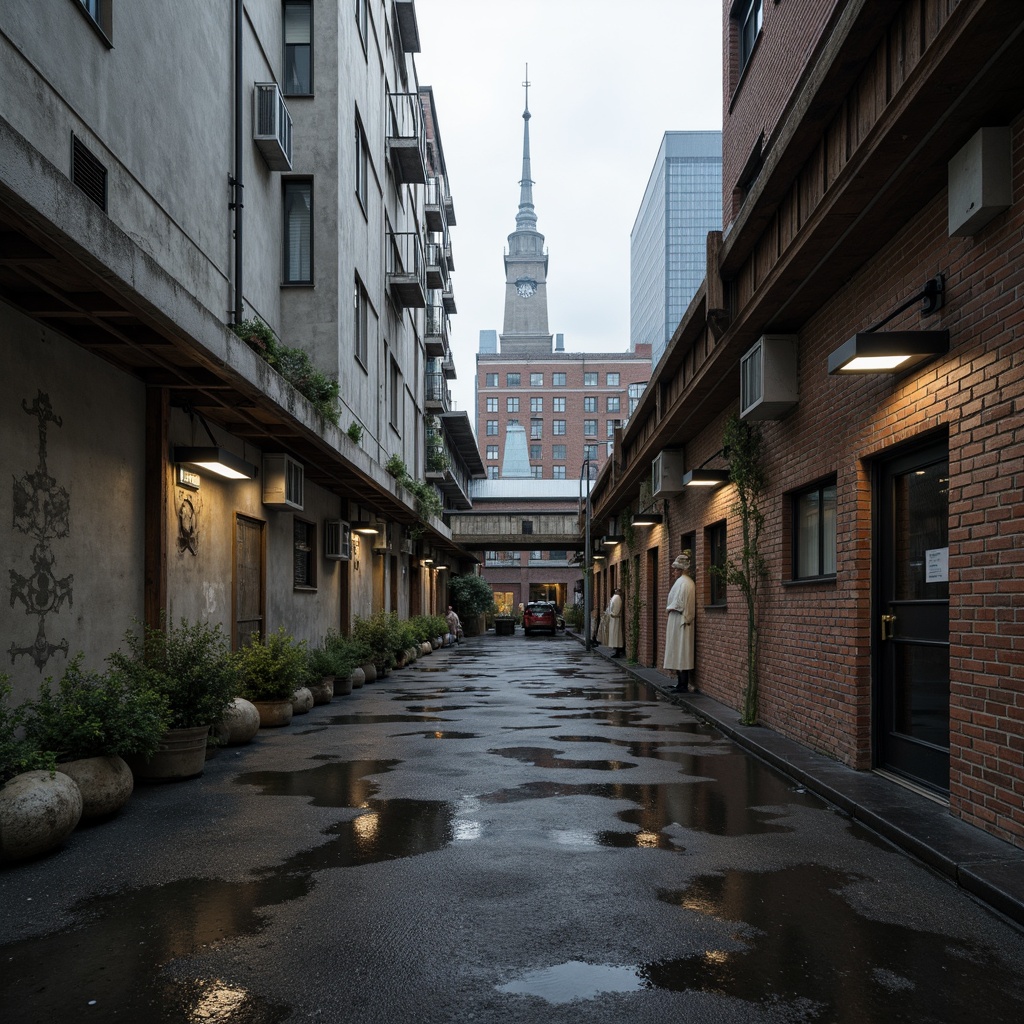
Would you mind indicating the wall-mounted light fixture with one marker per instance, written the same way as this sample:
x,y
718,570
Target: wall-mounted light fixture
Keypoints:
x,y
646,519
705,477
367,527
611,539
214,459
887,352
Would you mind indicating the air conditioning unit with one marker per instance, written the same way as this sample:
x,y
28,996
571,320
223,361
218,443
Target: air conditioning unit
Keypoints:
x,y
382,540
667,471
337,540
408,546
768,378
272,126
283,480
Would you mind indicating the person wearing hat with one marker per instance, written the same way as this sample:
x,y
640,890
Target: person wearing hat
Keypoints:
x,y
613,615
679,630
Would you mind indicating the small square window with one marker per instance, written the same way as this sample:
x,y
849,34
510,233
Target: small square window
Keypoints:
x,y
558,472
558,380
491,380
558,452
494,472
558,427
590,380
590,452
590,404
536,452
492,451
537,472
558,405
536,429
612,380
536,405
492,428
536,380
590,428
511,380
492,405
511,405
613,403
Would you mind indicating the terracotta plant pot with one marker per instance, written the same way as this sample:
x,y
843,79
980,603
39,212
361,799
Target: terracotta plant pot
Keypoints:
x,y
37,813
105,783
239,724
302,700
181,755
323,690
274,713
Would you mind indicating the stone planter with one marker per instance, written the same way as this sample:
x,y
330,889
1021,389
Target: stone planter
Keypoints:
x,y
343,686
436,642
411,654
105,783
302,700
37,813
426,647
401,659
369,672
181,755
323,690
239,724
274,713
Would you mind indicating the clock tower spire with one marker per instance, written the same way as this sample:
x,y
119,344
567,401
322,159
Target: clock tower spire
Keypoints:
x,y
526,267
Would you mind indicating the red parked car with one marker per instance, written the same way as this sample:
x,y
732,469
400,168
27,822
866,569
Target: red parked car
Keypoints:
x,y
539,615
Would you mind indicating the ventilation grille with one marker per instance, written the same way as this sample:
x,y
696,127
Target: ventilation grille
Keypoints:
x,y
88,173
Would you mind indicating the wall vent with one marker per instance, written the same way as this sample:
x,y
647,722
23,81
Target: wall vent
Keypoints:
x,y
272,126
768,377
283,482
337,540
88,173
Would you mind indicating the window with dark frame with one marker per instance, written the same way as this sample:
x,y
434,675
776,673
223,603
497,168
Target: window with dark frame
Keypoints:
x,y
590,404
491,381
511,380
101,14
363,21
298,230
492,405
511,405
361,326
748,16
492,428
717,558
298,47
395,402
362,155
304,555
814,532
492,451
558,380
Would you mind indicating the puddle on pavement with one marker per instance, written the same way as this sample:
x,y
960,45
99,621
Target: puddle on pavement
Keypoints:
x,y
441,735
332,784
381,719
542,757
574,980
796,937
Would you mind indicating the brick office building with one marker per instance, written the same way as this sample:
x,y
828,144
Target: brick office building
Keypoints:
x,y
873,198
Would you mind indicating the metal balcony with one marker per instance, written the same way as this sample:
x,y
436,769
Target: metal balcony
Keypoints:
x,y
437,396
437,267
449,208
448,367
435,330
433,207
407,144
406,275
448,298
448,258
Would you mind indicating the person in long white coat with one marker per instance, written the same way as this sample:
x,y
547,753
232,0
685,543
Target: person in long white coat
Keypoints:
x,y
613,616
681,606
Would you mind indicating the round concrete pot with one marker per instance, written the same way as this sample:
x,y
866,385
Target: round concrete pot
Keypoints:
x,y
105,783
274,713
239,724
426,647
37,813
343,687
302,700
323,690
181,755
369,672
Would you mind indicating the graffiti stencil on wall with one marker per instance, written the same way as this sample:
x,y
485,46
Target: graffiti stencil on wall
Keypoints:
x,y
42,511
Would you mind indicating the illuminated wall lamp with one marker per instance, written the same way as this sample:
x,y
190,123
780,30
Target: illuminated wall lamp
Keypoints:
x,y
366,527
215,460
887,352
705,478
645,519
612,539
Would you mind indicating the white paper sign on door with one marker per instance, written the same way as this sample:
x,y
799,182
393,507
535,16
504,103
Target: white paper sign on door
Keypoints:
x,y
936,561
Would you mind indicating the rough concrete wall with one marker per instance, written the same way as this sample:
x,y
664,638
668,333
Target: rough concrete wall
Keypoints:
x,y
71,503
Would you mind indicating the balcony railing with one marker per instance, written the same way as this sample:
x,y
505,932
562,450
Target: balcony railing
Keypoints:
x,y
435,329
407,144
437,266
437,395
434,204
406,272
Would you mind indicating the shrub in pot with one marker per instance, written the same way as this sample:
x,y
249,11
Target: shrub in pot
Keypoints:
x,y
345,655
269,671
93,721
377,634
320,669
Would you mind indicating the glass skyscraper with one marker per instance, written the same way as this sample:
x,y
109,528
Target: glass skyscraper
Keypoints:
x,y
683,202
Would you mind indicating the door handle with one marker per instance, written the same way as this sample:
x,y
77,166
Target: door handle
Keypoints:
x,y
888,622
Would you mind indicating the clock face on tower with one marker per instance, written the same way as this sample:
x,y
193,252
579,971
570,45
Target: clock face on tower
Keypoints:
x,y
526,287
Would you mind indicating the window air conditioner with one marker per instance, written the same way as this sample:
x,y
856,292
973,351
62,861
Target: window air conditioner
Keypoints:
x,y
667,471
337,540
272,126
282,482
408,546
768,378
382,540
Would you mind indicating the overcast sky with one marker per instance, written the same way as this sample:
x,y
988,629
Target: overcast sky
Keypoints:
x,y
607,80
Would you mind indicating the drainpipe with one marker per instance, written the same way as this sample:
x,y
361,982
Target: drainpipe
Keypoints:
x,y
238,313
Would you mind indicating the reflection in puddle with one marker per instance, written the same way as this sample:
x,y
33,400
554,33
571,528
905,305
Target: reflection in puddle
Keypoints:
x,y
574,980
380,719
438,735
333,784
542,757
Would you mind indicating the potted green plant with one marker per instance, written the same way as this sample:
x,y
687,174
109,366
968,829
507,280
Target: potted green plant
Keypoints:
x,y
320,672
346,655
471,596
269,670
376,633
93,721
190,666
39,807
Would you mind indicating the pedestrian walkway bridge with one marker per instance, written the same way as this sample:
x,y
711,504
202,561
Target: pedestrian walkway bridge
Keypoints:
x,y
522,530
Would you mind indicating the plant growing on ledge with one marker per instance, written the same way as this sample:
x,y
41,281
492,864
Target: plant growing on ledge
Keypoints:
x,y
355,431
397,468
294,365
743,444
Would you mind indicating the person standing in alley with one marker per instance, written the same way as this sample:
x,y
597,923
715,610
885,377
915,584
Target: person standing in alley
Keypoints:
x,y
613,615
454,625
681,605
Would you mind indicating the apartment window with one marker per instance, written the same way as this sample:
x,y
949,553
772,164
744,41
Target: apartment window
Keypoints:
x,y
361,330
100,13
590,380
536,380
537,472
362,155
491,381
536,405
395,389
558,380
610,428
298,231
363,21
590,452
492,451
298,47
536,429
558,405
613,403
558,472
558,427
513,423
494,472
590,428
304,555
492,428
747,14
558,452
611,379
511,380
814,532
511,405
492,405
590,404
536,452
717,554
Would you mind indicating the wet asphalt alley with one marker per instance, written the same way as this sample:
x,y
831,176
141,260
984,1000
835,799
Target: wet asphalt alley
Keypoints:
x,y
510,831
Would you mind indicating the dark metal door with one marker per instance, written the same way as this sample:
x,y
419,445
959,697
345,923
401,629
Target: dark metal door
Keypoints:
x,y
249,579
912,625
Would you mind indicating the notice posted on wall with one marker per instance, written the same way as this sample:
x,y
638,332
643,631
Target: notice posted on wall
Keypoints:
x,y
936,562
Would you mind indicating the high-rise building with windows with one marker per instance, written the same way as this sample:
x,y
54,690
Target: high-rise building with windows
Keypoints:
x,y
682,203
